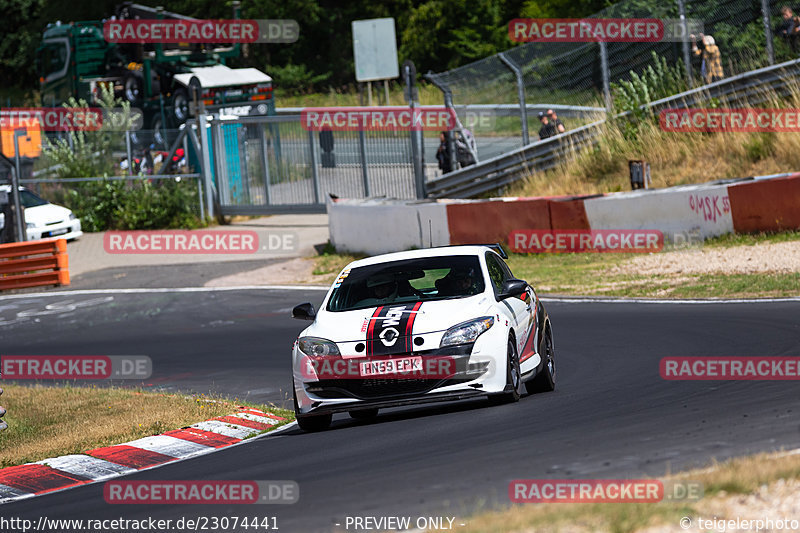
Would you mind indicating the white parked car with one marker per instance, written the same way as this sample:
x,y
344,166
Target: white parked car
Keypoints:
x,y
43,219
420,326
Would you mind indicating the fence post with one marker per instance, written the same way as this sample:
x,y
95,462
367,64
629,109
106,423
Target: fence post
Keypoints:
x,y
606,74
448,103
767,31
314,170
265,162
129,151
205,146
362,148
687,55
523,111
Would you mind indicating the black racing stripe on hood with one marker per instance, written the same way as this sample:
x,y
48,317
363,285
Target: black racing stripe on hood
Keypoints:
x,y
390,329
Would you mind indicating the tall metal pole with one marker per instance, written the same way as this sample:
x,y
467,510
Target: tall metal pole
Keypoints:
x,y
19,214
523,112
448,103
606,75
205,147
687,56
416,141
767,31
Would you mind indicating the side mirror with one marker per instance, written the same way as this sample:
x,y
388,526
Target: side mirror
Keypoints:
x,y
304,312
512,287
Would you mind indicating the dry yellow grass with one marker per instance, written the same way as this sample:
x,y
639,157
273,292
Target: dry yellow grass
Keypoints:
x,y
738,476
675,158
51,421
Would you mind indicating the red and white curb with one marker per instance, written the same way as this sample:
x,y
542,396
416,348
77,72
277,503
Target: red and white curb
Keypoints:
x,y
100,464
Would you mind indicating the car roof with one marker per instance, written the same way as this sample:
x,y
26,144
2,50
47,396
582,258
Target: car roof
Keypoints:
x,y
441,251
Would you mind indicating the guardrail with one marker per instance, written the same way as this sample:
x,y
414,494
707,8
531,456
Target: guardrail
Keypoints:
x,y
34,264
752,87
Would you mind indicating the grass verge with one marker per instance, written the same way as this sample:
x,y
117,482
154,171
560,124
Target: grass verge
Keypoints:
x,y
723,483
597,274
52,421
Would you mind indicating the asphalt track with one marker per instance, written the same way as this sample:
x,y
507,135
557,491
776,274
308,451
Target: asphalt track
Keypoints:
x,y
611,415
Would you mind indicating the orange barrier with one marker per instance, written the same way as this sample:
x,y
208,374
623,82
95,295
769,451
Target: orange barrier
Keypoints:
x,y
34,264
569,214
768,205
493,220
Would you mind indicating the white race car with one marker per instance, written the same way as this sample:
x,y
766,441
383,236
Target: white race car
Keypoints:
x,y
421,326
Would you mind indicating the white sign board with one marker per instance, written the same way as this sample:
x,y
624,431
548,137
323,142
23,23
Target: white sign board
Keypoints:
x,y
375,49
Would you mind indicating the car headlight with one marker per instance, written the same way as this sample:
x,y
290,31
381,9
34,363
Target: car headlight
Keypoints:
x,y
30,225
466,332
72,216
316,346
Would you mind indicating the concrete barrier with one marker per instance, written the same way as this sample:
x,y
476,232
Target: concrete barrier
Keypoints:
x,y
381,226
489,221
766,205
701,210
769,203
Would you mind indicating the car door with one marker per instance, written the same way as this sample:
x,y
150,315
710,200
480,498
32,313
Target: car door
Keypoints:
x,y
516,306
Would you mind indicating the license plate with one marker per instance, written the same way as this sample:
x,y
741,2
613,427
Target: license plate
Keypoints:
x,y
58,232
390,366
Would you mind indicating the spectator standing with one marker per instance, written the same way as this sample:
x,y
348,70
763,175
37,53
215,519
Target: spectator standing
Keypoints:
x,y
555,122
547,129
712,58
443,154
789,29
465,148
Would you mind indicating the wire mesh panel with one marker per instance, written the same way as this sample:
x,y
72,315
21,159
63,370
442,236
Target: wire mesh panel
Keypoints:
x,y
571,73
271,164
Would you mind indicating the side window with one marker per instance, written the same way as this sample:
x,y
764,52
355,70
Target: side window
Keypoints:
x,y
53,59
496,272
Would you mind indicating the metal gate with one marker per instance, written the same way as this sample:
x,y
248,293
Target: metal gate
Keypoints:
x,y
271,164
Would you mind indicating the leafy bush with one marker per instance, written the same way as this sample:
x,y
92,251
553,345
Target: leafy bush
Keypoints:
x,y
657,81
135,204
114,205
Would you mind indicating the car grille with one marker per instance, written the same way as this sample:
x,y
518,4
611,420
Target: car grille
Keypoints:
x,y
374,387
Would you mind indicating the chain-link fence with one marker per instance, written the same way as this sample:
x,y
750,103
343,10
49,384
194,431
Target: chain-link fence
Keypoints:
x,y
747,33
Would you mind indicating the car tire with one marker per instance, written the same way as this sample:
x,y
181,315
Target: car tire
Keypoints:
x,y
513,378
363,414
545,380
133,87
159,133
180,105
310,422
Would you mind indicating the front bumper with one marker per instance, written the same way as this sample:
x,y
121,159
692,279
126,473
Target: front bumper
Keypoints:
x,y
473,376
69,230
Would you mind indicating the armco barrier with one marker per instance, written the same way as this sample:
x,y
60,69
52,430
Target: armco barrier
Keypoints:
x,y
769,203
34,264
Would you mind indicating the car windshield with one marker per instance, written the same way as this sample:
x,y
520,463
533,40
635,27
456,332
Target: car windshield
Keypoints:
x,y
411,280
29,199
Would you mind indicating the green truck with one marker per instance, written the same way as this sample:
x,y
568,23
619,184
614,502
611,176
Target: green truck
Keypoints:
x,y
167,82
